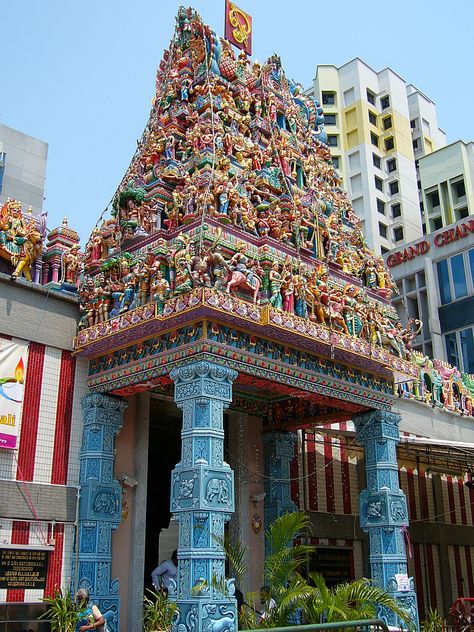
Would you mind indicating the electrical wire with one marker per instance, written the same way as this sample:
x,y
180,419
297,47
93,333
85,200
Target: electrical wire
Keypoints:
x,y
30,502
260,476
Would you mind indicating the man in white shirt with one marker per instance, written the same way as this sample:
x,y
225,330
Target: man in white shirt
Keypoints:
x,y
165,571
267,602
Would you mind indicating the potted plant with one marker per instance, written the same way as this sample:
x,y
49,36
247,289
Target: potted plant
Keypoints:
x,y
158,611
61,612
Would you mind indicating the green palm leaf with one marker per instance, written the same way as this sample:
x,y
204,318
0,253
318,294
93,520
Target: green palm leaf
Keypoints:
x,y
349,601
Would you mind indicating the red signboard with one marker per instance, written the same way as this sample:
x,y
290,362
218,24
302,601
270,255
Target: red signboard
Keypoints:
x,y
238,27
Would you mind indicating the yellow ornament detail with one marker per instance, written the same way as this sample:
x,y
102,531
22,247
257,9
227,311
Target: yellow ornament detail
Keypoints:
x,y
241,22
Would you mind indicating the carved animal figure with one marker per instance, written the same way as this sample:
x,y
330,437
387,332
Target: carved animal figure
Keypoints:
x,y
240,280
217,490
225,624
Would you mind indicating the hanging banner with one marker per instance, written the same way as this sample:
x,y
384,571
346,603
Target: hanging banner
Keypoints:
x,y
238,27
12,385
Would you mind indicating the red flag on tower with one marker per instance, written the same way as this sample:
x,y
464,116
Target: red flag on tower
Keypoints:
x,y
238,27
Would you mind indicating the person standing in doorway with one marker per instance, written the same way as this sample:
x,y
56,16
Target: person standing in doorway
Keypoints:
x,y
167,570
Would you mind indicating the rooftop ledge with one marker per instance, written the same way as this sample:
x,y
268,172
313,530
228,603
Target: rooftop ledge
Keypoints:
x,y
207,303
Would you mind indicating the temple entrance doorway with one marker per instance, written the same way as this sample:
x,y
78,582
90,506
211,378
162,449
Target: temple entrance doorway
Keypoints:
x,y
164,450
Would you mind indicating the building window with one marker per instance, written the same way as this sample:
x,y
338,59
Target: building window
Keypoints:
x,y
460,349
423,228
459,276
416,143
452,279
329,98
383,251
389,143
381,206
370,97
382,230
462,213
372,118
376,161
459,188
433,199
385,102
443,282
387,122
398,233
393,187
452,349
391,165
330,119
378,183
413,123
466,340
374,139
332,140
335,162
396,210
436,223
418,184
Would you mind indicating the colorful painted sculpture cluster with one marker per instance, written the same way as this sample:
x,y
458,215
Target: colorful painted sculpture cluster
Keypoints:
x,y
441,385
25,251
21,238
232,187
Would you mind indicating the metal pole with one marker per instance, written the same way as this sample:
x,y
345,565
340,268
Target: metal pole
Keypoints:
x,y
337,625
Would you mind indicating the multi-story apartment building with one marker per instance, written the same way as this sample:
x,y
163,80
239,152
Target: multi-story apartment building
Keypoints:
x,y
435,278
447,185
373,120
22,168
426,135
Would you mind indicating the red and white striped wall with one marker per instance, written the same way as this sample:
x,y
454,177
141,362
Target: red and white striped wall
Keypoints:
x,y
47,454
326,469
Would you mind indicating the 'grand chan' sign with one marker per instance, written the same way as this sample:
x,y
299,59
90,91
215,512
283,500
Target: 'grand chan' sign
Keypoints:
x,y
422,247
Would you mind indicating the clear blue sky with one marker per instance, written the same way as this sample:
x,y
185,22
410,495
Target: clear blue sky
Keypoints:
x,y
81,75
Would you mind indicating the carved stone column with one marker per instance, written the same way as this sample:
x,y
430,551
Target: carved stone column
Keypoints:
x,y
278,452
55,268
100,505
202,498
383,510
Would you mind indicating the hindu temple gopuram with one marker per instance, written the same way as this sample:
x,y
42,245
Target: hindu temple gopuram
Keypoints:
x,y
233,276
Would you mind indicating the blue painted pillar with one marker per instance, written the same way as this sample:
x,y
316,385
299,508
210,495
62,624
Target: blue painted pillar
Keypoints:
x,y
100,504
278,452
202,499
383,509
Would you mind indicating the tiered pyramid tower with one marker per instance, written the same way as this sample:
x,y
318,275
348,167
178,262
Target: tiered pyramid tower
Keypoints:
x,y
232,187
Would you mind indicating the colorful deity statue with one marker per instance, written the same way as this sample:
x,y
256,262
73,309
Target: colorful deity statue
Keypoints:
x,y
20,241
276,282
160,289
70,265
